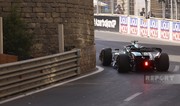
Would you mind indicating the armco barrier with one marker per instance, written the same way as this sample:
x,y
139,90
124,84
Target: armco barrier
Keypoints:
x,y
20,77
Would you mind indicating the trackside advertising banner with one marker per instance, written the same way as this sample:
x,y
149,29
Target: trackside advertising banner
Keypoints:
x,y
156,28
133,25
124,24
144,27
165,30
106,23
176,31
153,28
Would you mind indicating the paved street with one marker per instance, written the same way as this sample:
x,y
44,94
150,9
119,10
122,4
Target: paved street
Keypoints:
x,y
109,88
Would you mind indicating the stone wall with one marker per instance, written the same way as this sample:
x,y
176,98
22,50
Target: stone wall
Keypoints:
x,y
43,17
156,8
88,62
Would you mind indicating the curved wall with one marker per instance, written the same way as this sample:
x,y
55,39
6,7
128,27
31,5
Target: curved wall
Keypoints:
x,y
43,17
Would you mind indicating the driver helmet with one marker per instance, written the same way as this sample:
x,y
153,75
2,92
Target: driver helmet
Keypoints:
x,y
137,46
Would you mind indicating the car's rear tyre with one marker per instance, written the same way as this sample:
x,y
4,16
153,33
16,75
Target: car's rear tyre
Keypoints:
x,y
123,63
162,63
106,56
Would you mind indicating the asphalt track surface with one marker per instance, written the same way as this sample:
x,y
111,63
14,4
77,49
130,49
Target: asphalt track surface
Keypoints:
x,y
110,88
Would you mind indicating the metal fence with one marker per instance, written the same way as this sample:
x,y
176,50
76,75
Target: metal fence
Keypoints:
x,y
1,35
20,77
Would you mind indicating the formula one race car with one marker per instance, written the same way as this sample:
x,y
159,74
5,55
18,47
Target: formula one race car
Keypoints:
x,y
135,58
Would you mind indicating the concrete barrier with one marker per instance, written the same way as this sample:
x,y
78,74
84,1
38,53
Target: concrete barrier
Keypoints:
x,y
155,28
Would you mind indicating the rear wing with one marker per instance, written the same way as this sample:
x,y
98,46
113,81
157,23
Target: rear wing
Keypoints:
x,y
144,49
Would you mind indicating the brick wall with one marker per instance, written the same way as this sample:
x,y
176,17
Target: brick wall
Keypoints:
x,y
43,17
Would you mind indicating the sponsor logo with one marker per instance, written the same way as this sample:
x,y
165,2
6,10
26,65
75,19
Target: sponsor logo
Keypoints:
x,y
133,25
143,23
176,36
144,32
176,27
154,24
134,22
133,30
165,25
124,20
165,34
124,29
153,33
165,28
176,31
105,23
143,27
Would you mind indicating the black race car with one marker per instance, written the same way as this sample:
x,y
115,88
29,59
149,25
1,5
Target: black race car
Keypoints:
x,y
135,57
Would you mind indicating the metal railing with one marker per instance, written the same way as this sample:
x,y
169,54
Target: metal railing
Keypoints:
x,y
1,35
20,77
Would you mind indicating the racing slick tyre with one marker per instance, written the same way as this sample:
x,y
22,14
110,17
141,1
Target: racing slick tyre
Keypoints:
x,y
123,63
162,63
106,56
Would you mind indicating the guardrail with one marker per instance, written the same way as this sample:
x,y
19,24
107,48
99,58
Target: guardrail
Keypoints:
x,y
20,77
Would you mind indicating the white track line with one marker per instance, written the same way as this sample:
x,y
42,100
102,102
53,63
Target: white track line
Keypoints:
x,y
174,58
177,68
132,96
100,69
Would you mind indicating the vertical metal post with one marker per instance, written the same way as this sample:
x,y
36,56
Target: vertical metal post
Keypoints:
x,y
176,6
146,8
112,6
1,36
172,15
97,6
61,37
128,7
163,10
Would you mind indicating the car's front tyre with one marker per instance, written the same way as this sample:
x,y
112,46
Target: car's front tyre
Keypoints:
x,y
106,56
